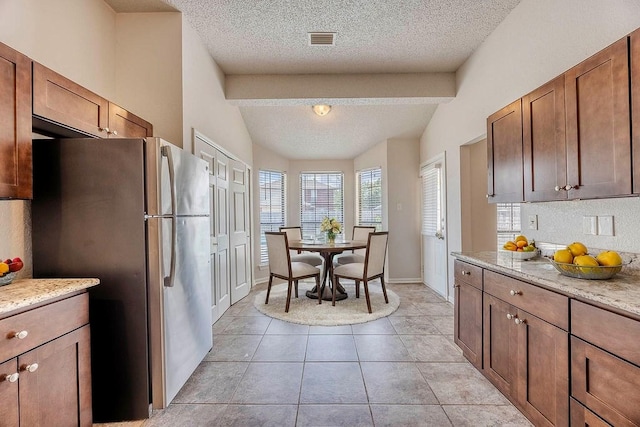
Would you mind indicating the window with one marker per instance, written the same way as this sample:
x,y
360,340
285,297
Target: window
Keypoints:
x,y
272,206
321,194
432,195
508,224
369,197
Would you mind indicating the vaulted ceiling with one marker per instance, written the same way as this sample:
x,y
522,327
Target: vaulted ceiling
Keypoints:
x,y
391,64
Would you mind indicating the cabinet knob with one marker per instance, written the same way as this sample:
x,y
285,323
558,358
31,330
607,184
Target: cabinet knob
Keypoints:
x,y
557,188
30,368
456,285
489,195
12,378
520,321
466,273
104,130
514,292
510,316
20,335
115,132
569,187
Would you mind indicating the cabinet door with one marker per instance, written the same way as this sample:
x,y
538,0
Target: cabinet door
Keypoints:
x,y
582,417
57,391
8,394
598,125
606,384
504,154
543,371
123,124
58,99
15,124
499,344
468,322
544,143
635,107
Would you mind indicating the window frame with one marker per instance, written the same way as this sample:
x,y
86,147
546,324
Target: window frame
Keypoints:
x,y
273,203
371,188
311,217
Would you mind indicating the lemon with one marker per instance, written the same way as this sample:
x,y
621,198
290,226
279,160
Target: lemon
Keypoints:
x,y
563,255
609,258
577,249
4,268
585,261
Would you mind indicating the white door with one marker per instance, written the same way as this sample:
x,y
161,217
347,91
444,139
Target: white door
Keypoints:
x,y
219,248
239,236
434,236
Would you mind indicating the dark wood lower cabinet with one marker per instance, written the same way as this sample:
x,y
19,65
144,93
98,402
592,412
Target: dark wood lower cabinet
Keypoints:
x,y
500,344
468,322
582,417
9,414
543,371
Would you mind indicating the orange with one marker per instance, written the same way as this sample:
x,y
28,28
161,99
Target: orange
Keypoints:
x,y
521,243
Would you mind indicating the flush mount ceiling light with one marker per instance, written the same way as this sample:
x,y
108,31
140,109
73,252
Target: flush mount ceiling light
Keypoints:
x,y
321,109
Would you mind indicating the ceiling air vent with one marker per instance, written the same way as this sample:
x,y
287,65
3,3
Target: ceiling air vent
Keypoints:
x,y
322,39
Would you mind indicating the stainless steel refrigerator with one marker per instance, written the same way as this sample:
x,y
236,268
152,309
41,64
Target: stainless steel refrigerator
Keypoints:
x,y
135,214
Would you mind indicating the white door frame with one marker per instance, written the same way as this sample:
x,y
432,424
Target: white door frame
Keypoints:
x,y
435,266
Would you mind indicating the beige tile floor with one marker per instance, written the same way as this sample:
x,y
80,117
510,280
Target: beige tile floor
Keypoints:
x,y
402,370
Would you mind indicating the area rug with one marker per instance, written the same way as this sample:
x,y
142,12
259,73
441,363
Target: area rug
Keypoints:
x,y
307,311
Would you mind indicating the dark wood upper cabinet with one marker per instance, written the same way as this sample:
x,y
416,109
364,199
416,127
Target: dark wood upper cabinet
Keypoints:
x,y
598,125
62,102
544,143
635,107
15,125
504,154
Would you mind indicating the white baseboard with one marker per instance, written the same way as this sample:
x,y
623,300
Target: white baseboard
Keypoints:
x,y
405,280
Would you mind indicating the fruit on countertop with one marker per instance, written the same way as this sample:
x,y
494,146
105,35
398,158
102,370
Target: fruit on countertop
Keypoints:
x,y
609,258
577,249
585,261
10,266
563,255
519,244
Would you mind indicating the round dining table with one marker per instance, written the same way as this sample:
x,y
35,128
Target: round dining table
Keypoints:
x,y
327,251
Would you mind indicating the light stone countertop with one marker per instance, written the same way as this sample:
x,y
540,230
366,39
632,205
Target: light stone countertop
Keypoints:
x,y
621,292
26,292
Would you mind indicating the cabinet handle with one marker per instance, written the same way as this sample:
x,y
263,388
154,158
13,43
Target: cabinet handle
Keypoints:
x,y
514,293
12,378
456,286
489,195
103,130
520,321
115,132
566,187
30,368
20,335
466,273
510,316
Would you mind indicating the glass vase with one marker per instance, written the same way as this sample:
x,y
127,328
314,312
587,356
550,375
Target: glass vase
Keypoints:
x,y
331,237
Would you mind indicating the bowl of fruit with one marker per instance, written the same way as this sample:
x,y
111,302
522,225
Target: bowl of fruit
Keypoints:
x,y
575,261
9,270
520,248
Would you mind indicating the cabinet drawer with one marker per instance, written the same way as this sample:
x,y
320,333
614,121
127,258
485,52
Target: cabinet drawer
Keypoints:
x,y
605,384
605,329
545,304
42,324
468,273
582,417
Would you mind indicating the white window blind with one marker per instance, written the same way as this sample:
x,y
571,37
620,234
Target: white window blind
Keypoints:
x,y
508,222
369,189
431,200
321,194
272,206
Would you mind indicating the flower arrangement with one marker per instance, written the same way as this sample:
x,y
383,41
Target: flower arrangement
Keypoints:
x,y
332,227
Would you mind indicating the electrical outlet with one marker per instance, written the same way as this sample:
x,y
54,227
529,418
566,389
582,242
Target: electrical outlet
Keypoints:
x,y
590,225
533,222
605,225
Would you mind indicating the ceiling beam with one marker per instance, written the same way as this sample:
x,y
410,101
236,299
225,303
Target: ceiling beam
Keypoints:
x,y
339,89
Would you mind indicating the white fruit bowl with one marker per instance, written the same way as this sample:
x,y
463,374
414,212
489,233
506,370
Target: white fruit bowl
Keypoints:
x,y
600,272
7,278
520,255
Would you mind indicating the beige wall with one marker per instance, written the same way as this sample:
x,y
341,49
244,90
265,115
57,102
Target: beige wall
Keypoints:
x,y
540,39
148,70
477,217
404,207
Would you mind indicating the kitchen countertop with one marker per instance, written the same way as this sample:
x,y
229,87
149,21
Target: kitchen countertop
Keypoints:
x,y
621,292
26,292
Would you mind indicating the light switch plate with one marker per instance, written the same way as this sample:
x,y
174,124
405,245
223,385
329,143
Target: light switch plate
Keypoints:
x,y
533,222
590,225
605,225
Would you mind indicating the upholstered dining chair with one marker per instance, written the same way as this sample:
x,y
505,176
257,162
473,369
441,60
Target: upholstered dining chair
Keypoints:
x,y
360,232
281,266
295,233
371,268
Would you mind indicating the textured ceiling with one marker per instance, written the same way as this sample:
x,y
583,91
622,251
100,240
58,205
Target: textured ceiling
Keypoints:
x,y
270,37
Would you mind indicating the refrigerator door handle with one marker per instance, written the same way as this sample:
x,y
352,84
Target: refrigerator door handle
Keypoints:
x,y
168,280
